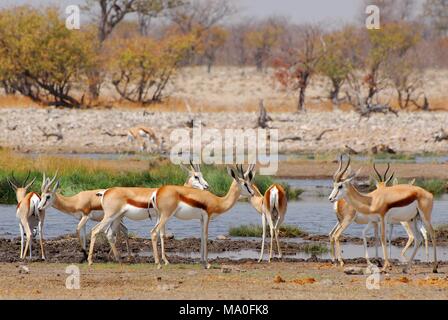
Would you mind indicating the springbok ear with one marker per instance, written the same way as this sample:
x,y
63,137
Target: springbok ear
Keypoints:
x,y
232,173
390,179
412,182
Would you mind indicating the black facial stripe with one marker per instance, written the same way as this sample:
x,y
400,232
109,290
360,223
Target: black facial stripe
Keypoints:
x,y
247,188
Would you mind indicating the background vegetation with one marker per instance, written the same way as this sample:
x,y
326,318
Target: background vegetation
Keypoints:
x,y
81,174
134,47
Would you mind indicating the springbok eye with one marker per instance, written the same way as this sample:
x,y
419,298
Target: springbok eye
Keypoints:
x,y
340,186
196,177
48,196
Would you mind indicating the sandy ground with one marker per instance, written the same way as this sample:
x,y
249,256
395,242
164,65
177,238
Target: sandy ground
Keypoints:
x,y
91,131
277,280
184,278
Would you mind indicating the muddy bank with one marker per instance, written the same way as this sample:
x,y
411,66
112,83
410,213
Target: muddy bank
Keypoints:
x,y
67,250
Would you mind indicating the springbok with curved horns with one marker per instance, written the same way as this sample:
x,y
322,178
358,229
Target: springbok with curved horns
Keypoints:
x,y
346,215
388,204
188,204
134,204
272,207
29,216
84,206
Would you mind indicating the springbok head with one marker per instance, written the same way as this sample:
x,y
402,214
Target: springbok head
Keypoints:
x,y
341,179
195,177
20,188
48,191
244,180
383,180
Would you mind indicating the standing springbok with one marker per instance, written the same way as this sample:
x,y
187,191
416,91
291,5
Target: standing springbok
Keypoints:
x,y
142,133
347,215
84,206
272,207
29,216
388,204
187,204
134,204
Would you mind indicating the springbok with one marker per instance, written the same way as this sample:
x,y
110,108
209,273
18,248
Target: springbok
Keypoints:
x,y
29,216
134,204
389,204
140,133
272,207
187,204
84,206
347,215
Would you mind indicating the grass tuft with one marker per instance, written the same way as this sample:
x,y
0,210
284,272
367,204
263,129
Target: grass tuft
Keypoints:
x,y
315,248
256,231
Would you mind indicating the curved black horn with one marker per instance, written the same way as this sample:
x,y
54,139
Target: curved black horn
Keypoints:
x,y
339,169
346,167
385,173
26,179
377,173
14,179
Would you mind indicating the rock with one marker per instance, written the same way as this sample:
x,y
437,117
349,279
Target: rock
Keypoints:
x,y
327,282
24,269
226,270
222,237
354,271
169,236
278,279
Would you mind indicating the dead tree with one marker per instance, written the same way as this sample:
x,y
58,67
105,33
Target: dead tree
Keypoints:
x,y
58,135
440,135
263,117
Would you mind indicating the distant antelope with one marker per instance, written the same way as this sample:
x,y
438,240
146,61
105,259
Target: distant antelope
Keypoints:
x,y
272,207
141,134
134,204
84,206
30,217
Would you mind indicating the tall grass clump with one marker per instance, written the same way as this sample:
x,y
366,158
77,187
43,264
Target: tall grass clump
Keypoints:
x,y
256,231
77,175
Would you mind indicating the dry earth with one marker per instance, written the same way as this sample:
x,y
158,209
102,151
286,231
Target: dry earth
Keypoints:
x,y
278,280
102,130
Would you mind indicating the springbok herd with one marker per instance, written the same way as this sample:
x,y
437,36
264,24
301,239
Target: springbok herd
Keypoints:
x,y
403,204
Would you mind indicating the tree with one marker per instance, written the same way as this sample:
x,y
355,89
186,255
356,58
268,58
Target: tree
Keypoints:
x,y
212,40
436,11
148,10
203,13
295,68
263,38
141,67
40,57
337,60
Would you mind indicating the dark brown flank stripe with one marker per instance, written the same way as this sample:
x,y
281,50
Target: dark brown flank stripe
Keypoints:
x,y
193,203
403,202
97,207
138,204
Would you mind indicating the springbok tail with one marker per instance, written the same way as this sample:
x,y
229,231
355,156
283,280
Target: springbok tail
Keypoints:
x,y
274,205
101,195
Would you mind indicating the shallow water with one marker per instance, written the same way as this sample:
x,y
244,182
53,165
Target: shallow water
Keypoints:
x,y
281,157
313,215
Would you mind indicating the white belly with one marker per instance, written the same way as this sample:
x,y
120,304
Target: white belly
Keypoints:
x,y
137,214
397,215
393,216
186,212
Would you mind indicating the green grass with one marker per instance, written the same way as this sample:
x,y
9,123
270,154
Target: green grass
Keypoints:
x,y
256,231
315,248
436,186
76,175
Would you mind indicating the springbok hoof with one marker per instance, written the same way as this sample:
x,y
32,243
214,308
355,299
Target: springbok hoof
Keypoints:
x,y
207,266
159,266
